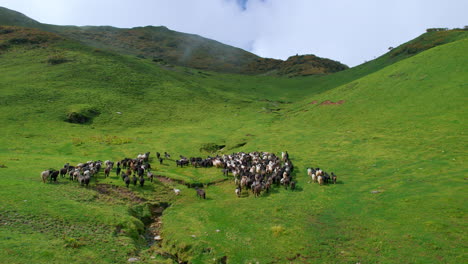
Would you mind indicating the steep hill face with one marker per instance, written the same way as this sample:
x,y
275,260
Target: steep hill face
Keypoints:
x,y
167,46
163,45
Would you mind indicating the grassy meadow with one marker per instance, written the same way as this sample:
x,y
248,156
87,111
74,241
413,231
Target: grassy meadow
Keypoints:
x,y
397,144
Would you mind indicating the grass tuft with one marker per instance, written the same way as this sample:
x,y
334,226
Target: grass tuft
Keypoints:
x,y
278,230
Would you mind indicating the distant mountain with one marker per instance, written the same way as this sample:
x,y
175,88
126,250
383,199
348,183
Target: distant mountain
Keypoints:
x,y
163,45
167,46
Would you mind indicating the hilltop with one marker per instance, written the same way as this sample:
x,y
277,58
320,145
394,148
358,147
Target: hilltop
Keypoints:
x,y
13,18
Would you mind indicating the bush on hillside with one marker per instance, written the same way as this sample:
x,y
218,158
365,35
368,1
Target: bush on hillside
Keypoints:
x,y
81,114
56,59
6,30
211,147
4,46
71,242
436,29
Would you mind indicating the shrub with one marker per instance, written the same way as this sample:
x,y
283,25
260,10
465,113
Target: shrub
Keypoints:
x,y
81,114
159,60
436,29
6,30
78,118
277,230
20,40
142,212
4,46
56,59
72,242
77,141
211,147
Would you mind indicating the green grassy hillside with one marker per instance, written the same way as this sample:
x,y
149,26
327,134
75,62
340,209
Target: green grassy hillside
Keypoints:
x,y
396,142
400,133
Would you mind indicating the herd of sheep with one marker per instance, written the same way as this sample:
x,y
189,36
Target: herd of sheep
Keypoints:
x,y
255,171
83,172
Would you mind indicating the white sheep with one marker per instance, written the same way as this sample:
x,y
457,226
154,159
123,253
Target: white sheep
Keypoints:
x,y
319,172
177,191
320,180
45,175
314,178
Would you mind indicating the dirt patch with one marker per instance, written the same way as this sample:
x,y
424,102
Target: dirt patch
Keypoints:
x,y
328,102
167,180
313,102
118,192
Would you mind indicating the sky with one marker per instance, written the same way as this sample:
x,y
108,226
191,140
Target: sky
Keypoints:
x,y
350,31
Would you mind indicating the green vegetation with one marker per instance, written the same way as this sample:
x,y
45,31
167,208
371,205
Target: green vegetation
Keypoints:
x,y
429,40
81,113
397,143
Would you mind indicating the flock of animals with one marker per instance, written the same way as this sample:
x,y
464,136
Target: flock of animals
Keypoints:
x,y
254,171
83,172
257,171
320,176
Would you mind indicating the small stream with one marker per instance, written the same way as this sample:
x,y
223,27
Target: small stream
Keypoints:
x,y
154,225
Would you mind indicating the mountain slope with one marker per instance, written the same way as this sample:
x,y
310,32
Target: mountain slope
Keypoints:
x,y
162,44
10,17
168,46
397,141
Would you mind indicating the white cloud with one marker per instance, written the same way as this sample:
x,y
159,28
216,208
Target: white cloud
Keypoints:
x,y
344,30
